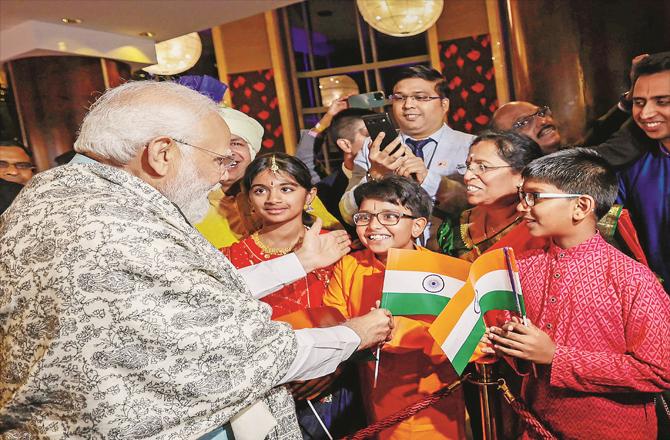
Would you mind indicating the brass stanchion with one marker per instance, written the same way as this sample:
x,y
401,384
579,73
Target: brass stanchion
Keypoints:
x,y
487,381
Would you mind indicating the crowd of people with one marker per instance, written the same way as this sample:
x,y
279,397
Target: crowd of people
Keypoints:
x,y
172,281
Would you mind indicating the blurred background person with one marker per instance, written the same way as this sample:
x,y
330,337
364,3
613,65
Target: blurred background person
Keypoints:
x,y
16,164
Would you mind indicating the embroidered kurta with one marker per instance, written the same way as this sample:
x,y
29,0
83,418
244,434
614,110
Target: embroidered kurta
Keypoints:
x,y
405,376
299,295
610,320
119,320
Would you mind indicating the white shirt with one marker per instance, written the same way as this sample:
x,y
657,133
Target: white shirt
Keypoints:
x,y
320,350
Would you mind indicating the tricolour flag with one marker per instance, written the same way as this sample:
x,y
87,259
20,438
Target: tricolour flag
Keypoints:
x,y
492,285
421,282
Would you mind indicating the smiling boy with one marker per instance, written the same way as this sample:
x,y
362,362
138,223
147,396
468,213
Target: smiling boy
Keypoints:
x,y
600,320
393,214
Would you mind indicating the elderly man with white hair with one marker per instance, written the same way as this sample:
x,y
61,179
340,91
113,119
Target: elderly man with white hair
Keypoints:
x,y
117,318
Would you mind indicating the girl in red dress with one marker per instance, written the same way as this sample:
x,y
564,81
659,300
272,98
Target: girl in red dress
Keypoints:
x,y
280,193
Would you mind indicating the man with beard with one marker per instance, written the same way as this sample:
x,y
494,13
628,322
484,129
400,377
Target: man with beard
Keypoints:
x,y
119,319
225,222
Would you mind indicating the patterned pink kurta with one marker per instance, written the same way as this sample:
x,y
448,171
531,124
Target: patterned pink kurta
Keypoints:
x,y
610,319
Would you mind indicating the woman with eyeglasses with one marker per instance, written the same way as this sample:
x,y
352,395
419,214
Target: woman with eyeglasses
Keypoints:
x,y
492,176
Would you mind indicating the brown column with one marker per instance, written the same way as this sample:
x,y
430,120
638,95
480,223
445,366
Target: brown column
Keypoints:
x,y
574,55
52,96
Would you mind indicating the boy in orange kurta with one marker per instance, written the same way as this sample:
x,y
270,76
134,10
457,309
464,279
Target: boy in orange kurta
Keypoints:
x,y
393,213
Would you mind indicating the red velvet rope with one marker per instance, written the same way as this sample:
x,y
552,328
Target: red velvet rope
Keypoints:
x,y
531,422
407,412
527,417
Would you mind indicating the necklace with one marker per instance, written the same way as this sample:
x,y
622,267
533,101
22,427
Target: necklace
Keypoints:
x,y
467,237
289,293
271,250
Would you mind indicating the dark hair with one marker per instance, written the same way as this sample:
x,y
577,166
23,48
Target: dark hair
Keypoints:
x,y
516,149
286,163
577,170
13,143
342,125
427,73
398,190
654,63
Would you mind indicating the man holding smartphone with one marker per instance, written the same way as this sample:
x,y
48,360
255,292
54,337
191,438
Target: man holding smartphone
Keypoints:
x,y
429,149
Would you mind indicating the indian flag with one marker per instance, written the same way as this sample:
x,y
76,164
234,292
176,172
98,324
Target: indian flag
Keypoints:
x,y
493,284
421,282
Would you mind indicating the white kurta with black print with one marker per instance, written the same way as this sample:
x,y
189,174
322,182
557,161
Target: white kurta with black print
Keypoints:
x,y
119,320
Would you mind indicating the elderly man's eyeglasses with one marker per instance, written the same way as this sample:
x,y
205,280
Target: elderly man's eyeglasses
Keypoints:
x,y
397,97
477,168
530,198
18,165
224,162
540,113
386,218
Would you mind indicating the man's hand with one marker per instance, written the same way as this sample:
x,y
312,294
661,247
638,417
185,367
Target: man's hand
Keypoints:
x,y
383,163
310,389
321,250
523,342
338,105
413,168
335,107
373,328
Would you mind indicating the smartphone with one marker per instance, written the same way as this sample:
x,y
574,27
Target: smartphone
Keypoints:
x,y
367,100
381,123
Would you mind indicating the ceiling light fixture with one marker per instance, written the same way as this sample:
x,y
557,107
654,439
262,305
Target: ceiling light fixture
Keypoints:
x,y
176,55
147,34
400,18
67,20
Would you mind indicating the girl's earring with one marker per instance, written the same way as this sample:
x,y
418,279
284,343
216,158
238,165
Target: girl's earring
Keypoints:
x,y
308,207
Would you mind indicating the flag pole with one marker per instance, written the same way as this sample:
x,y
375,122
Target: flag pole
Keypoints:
x,y
374,385
516,288
316,414
489,402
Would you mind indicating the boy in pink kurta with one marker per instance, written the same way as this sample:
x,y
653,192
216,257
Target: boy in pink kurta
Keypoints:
x,y
600,321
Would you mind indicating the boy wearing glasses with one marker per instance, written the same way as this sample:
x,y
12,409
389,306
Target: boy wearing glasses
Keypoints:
x,y
393,214
600,320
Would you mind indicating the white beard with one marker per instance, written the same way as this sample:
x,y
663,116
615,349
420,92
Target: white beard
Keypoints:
x,y
189,192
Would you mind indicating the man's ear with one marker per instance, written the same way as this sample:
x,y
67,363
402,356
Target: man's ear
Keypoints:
x,y
584,206
344,145
160,152
445,105
418,225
